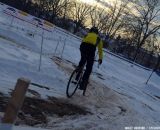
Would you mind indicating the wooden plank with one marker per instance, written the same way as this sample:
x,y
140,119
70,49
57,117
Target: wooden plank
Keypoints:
x,y
16,101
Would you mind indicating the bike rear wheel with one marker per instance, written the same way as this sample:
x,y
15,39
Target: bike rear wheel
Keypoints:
x,y
72,84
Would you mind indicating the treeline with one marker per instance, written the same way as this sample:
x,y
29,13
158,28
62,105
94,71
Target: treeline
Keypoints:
x,y
130,28
54,11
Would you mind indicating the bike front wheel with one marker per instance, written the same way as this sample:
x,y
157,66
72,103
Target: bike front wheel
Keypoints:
x,y
72,84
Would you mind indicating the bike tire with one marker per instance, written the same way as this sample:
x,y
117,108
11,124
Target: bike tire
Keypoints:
x,y
70,92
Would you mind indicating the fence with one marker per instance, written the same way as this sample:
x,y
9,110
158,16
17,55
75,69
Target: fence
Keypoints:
x,y
144,58
62,38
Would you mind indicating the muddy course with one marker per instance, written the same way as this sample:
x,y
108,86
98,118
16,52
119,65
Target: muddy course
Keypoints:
x,y
35,110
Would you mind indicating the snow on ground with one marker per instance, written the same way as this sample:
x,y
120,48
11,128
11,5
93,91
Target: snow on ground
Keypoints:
x,y
10,127
117,95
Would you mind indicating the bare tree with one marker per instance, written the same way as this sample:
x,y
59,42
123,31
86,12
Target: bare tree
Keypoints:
x,y
99,17
116,16
58,7
110,19
146,20
41,6
80,13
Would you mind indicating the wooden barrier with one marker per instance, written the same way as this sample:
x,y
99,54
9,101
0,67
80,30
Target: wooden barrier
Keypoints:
x,y
16,101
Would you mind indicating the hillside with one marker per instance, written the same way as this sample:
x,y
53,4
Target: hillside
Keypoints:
x,y
116,98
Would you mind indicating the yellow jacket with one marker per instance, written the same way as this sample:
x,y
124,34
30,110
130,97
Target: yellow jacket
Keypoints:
x,y
91,38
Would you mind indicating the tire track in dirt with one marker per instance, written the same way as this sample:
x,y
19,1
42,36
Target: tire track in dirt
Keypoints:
x,y
99,99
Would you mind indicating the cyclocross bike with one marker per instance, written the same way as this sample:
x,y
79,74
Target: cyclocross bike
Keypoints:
x,y
74,81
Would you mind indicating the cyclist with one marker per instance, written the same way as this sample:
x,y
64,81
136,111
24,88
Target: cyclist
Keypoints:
x,y
87,49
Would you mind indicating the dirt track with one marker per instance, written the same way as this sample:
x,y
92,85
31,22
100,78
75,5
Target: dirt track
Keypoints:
x,y
101,103
35,110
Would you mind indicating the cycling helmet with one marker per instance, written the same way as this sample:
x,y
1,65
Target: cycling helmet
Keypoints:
x,y
94,29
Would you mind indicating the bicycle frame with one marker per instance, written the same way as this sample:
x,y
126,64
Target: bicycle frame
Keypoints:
x,y
78,72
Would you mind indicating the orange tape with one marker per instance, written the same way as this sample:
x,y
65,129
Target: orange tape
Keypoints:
x,y
23,13
48,23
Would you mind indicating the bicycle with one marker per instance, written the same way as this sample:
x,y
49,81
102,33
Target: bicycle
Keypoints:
x,y
74,81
